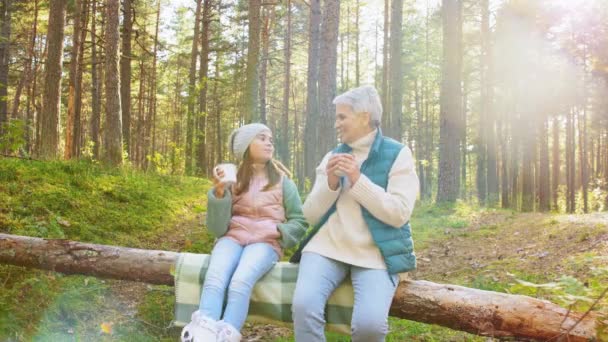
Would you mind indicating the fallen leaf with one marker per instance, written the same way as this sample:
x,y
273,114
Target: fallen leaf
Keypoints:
x,y
106,328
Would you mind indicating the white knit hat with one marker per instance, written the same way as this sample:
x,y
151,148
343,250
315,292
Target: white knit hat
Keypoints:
x,y
241,137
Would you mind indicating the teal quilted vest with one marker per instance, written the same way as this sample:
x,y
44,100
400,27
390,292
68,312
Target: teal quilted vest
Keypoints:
x,y
395,244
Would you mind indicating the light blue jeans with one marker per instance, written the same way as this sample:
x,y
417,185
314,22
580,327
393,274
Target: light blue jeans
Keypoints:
x,y
237,268
319,276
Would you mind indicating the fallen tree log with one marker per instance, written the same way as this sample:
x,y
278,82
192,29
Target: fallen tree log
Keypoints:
x,y
476,311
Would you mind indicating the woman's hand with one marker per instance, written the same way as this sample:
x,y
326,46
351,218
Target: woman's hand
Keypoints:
x,y
218,186
349,166
332,167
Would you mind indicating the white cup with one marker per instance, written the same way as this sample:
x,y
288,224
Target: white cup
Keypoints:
x,y
229,172
340,173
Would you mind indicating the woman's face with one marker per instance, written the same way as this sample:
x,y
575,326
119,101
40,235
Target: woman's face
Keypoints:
x,y
262,148
351,126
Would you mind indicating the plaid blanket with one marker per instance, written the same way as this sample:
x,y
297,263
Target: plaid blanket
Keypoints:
x,y
271,298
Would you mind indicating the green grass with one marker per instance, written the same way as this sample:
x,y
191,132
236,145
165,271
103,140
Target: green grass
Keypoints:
x,y
87,202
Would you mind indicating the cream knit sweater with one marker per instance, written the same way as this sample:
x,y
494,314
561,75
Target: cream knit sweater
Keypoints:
x,y
345,236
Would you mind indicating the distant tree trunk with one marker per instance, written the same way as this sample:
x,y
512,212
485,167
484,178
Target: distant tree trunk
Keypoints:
x,y
251,108
26,78
5,43
311,151
514,160
482,145
451,102
192,89
544,197
419,149
201,149
78,127
125,75
583,155
570,160
528,148
72,129
327,74
555,167
501,128
489,131
30,78
95,87
113,127
218,108
396,77
357,30
49,135
154,83
386,123
268,23
285,152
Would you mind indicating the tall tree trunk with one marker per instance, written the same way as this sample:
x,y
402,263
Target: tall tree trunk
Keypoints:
x,y
268,23
450,102
396,77
218,107
204,85
357,31
31,78
570,174
113,126
5,43
285,151
385,68
125,74
192,89
556,165
311,151
327,74
95,86
251,108
78,127
544,199
49,135
583,155
71,123
528,148
153,83
487,313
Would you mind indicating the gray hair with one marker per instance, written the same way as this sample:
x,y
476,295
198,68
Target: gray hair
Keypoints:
x,y
363,99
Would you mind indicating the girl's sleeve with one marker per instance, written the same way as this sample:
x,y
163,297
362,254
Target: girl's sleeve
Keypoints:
x,y
294,228
219,212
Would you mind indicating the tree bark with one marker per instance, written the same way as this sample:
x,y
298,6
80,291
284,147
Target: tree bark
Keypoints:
x,y
73,86
555,168
476,311
5,43
544,200
284,148
251,108
192,89
95,85
396,76
451,103
113,127
312,91
201,149
49,135
327,74
125,75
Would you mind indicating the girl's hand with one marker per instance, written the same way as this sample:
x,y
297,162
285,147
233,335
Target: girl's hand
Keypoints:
x,y
218,186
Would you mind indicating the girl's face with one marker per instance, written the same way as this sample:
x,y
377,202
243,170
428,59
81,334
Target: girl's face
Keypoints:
x,y
262,147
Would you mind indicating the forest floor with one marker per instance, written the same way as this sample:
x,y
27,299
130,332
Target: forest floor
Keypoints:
x,y
491,249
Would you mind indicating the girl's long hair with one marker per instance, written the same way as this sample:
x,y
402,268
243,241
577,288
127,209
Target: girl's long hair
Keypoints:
x,y
274,170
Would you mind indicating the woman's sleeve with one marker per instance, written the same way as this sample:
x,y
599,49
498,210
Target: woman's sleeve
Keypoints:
x,y
294,228
395,205
219,212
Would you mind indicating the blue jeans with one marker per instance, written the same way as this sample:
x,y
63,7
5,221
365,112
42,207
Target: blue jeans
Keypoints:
x,y
319,276
237,268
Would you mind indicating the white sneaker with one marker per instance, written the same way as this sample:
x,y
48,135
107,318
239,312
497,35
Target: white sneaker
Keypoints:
x,y
200,329
227,333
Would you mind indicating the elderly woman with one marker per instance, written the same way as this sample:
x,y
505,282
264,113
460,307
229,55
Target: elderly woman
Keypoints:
x,y
360,206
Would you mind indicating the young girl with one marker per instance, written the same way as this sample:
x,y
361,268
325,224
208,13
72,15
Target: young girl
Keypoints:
x,y
254,219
